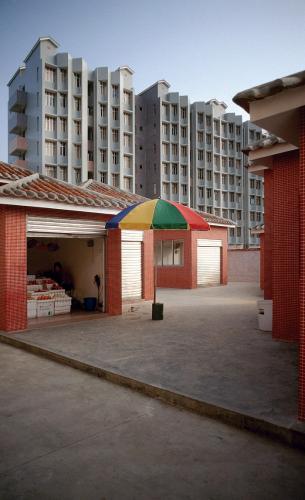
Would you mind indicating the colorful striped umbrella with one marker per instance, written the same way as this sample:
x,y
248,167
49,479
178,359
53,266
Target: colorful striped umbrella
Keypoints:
x,y
158,214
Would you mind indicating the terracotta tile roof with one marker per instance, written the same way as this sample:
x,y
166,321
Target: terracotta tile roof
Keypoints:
x,y
12,172
215,219
43,188
266,142
268,89
105,189
260,228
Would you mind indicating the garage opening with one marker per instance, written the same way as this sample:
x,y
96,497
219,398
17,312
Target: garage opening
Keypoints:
x,y
208,262
65,269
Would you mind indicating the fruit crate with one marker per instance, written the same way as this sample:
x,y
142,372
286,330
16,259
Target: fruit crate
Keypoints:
x,y
45,308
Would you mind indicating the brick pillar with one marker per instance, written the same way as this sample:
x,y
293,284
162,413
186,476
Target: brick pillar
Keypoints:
x,y
285,249
268,210
13,269
148,266
224,258
301,412
261,253
113,272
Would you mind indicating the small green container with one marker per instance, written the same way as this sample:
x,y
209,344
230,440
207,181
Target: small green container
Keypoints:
x,y
157,311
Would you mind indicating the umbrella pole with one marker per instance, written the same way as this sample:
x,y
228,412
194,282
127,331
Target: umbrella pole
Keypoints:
x,y
155,283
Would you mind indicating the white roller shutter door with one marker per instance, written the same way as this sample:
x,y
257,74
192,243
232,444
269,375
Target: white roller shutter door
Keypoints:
x,y
208,262
132,265
64,228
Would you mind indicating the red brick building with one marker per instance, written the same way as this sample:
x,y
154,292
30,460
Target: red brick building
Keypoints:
x,y
279,107
193,258
35,208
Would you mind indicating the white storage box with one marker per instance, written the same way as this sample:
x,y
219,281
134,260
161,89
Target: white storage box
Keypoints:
x,y
45,308
63,305
34,288
264,315
32,308
31,277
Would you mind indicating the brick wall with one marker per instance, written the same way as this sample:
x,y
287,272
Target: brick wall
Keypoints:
x,y
301,412
113,272
268,214
148,266
13,265
186,276
285,247
243,265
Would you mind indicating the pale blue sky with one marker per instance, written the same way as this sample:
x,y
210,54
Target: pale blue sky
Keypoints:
x,y
202,48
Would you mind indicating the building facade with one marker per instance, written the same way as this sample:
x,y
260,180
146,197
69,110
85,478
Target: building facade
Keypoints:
x,y
163,144
69,122
192,153
253,189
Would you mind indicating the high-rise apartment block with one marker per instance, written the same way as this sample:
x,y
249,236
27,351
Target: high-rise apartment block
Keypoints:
x,y
69,122
192,153
163,144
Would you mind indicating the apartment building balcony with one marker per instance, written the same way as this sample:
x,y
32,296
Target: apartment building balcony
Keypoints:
x,y
90,120
76,90
90,145
216,185
17,123
17,101
127,106
61,136
103,120
63,160
50,134
77,162
165,137
127,126
90,166
183,140
18,146
128,150
165,117
62,85
51,160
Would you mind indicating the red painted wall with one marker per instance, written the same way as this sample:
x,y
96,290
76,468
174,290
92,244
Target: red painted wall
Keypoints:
x,y
113,272
186,276
13,265
261,269
268,215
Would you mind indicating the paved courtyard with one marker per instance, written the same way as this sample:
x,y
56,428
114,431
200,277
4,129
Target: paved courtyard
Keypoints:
x,y
67,435
207,347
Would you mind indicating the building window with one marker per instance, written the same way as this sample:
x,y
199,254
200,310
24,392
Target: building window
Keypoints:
x,y
231,162
115,114
63,174
174,188
208,121
231,179
104,177
63,124
231,128
165,168
238,231
115,135
127,140
77,80
63,76
183,132
115,91
258,184
50,124
127,183
63,100
232,232
238,147
77,103
209,175
208,138
103,155
165,128
127,120
183,170
200,118
238,130
115,180
252,200
127,162
209,193
175,149
50,99
184,189
183,113
51,171
63,149
252,216
103,133
174,129
174,169
49,74
77,175
127,97
209,157
90,110
238,164
251,135
258,200
200,154
232,197
169,252
258,216
78,151
115,157
183,151
77,127
165,149
103,110
200,173
224,128
258,136
103,89
252,183
165,188
200,136
174,109
50,148
201,192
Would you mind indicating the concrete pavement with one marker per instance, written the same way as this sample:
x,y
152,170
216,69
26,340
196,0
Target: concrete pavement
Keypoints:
x,y
65,434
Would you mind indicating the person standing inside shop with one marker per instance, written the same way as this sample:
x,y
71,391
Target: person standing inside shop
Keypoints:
x,y
63,278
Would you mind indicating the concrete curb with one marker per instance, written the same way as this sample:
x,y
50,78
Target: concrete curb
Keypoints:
x,y
288,436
